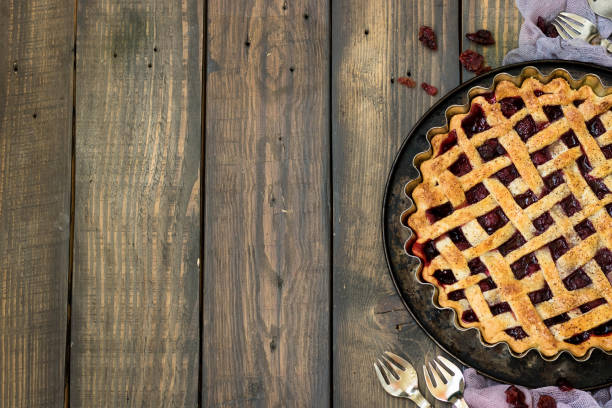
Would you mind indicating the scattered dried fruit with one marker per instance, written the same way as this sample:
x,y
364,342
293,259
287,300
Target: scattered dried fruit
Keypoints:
x,y
515,397
428,37
562,383
473,61
430,89
406,82
547,401
547,28
483,37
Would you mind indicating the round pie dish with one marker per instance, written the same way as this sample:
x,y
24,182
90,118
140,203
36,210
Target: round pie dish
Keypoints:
x,y
438,299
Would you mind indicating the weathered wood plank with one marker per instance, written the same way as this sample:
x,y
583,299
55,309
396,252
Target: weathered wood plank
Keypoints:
x,y
373,42
501,17
36,66
265,338
135,327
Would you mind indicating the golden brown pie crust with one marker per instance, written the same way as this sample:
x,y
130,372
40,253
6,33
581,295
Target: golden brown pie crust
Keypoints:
x,y
440,187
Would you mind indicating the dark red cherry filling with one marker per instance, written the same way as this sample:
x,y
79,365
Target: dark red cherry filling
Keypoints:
x,y
444,276
460,241
449,142
603,257
461,166
469,316
475,121
554,179
476,266
525,266
579,338
491,149
489,97
511,105
542,223
570,205
592,305
507,174
541,156
476,193
577,280
428,250
526,199
456,295
441,211
538,92
516,332
487,284
578,102
598,186
500,308
493,220
553,112
570,139
584,165
584,229
515,241
562,318
607,151
558,247
526,128
515,397
595,127
540,295
603,329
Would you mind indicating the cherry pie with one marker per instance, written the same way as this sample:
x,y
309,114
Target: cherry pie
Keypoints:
x,y
513,217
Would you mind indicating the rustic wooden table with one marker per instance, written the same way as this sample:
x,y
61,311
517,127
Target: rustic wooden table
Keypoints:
x,y
190,195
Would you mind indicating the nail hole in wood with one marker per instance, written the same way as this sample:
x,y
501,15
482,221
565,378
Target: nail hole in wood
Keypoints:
x,y
247,43
366,32
34,116
392,79
150,65
285,6
306,16
115,55
155,49
291,69
408,73
15,67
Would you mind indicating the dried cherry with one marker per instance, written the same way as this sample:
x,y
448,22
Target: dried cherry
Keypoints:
x,y
428,37
483,37
430,89
547,28
406,82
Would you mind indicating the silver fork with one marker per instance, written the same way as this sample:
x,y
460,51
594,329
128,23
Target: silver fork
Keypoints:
x,y
401,378
571,26
447,388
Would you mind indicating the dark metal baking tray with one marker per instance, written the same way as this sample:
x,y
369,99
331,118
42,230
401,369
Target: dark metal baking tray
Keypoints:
x,y
496,361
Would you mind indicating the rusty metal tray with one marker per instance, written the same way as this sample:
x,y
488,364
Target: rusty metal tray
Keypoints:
x,y
495,361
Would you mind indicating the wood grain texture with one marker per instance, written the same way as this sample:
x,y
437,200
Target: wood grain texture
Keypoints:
x,y
502,18
265,340
135,327
371,116
36,61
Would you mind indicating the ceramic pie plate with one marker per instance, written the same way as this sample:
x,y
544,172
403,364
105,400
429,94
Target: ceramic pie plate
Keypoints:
x,y
466,345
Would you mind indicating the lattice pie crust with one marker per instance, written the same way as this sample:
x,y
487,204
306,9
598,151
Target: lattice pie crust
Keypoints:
x,y
513,219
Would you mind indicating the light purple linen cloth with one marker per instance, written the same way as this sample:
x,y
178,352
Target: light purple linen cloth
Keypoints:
x,y
533,44
481,392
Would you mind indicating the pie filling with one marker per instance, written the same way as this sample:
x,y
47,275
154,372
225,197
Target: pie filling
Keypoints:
x,y
531,196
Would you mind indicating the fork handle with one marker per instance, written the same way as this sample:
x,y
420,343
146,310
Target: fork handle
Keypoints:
x,y
460,403
418,399
607,44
